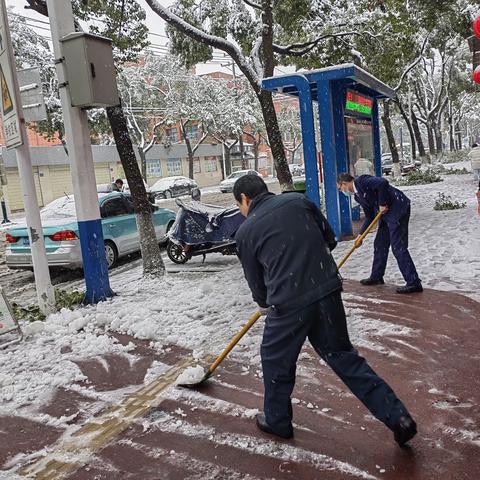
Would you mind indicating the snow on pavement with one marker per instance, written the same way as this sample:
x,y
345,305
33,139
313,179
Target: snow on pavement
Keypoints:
x,y
202,312
445,245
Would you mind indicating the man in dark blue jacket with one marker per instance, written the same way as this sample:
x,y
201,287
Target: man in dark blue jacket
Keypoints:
x,y
375,194
284,246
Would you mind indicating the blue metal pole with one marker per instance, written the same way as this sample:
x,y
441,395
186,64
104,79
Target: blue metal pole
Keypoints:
x,y
341,154
81,162
327,129
377,149
308,128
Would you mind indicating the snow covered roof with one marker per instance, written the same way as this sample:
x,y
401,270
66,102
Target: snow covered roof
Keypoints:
x,y
348,74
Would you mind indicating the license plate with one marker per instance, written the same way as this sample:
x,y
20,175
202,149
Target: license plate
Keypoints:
x,y
26,242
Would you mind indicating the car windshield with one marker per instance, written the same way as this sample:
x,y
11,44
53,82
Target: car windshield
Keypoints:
x,y
168,182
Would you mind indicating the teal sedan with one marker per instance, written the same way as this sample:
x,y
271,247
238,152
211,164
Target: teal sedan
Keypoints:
x,y
60,231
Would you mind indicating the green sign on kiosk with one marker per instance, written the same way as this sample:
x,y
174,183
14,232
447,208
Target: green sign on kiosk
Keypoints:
x,y
359,103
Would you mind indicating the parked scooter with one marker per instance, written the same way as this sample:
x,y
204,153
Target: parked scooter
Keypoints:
x,y
200,229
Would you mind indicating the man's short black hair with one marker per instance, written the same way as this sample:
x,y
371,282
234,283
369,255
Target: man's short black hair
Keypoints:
x,y
119,180
250,185
345,177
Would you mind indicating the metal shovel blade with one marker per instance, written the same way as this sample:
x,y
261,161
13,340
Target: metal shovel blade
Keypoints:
x,y
196,383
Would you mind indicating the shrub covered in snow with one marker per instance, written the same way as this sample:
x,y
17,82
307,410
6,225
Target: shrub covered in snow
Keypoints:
x,y
420,177
445,202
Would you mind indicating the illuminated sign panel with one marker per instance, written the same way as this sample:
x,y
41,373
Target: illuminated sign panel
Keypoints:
x,y
358,103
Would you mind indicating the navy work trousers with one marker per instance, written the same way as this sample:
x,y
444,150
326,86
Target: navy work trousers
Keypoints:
x,y
324,324
394,233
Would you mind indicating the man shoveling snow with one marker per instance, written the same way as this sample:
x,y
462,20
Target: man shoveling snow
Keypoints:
x,y
284,246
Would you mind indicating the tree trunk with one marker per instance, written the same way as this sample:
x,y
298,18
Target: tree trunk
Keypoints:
x,y
275,140
152,261
438,138
256,144
410,130
459,136
143,162
228,161
431,140
418,136
387,123
242,153
188,144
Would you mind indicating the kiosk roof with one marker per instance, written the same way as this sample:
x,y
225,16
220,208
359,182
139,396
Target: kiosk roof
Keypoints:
x,y
347,74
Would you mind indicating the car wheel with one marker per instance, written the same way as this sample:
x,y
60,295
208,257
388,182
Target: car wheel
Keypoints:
x,y
175,253
111,253
168,194
196,194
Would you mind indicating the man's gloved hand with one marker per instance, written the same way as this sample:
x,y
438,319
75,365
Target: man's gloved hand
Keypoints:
x,y
358,242
263,310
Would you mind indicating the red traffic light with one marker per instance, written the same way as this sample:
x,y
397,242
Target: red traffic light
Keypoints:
x,y
476,75
476,26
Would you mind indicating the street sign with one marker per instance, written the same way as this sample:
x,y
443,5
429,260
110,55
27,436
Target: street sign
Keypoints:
x,y
8,322
9,101
31,94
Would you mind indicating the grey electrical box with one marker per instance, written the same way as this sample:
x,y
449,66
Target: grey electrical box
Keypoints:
x,y
90,71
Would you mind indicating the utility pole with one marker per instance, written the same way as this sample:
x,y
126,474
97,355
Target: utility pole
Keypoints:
x,y
81,163
16,136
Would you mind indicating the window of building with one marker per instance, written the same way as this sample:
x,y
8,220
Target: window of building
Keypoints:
x,y
210,164
191,131
154,168
172,134
174,166
196,165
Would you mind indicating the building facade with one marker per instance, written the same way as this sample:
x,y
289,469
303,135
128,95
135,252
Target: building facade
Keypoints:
x,y
51,169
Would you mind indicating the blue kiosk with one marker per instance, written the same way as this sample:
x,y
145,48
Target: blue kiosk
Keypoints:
x,y
347,98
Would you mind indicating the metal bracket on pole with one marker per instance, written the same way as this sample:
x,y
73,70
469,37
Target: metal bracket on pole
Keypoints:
x,y
8,323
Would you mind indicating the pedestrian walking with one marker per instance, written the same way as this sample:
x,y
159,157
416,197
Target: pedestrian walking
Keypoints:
x,y
376,194
474,156
285,246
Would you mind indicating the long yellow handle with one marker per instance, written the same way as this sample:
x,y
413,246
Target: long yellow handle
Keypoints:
x,y
362,236
234,341
257,315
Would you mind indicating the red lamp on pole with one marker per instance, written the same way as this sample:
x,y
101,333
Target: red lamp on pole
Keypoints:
x,y
476,26
476,75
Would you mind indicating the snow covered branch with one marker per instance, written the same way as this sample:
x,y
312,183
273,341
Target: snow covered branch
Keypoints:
x,y
201,36
299,49
253,4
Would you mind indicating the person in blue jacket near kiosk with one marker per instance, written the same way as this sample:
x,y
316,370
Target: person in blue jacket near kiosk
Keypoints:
x,y
375,194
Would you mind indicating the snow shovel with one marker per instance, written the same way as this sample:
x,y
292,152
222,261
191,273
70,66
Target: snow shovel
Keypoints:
x,y
225,352
196,382
362,236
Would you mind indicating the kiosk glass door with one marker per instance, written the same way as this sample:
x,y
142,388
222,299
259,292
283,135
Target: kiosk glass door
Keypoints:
x,y
358,119
360,146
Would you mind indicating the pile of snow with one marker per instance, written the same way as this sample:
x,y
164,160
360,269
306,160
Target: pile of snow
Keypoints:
x,y
191,376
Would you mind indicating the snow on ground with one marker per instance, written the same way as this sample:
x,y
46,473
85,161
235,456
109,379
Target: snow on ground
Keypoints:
x,y
445,245
203,310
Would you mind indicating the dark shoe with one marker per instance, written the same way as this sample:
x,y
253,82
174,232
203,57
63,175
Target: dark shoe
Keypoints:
x,y
264,427
410,288
405,430
372,281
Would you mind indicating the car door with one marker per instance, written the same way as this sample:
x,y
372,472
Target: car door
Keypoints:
x,y
180,187
117,223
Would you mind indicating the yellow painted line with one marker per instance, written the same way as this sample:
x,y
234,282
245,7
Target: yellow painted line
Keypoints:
x,y
73,452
